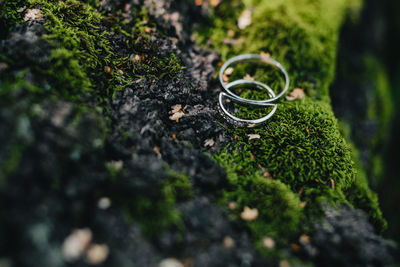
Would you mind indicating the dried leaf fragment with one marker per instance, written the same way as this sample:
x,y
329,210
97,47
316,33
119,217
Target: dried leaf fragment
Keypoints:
x,y
332,184
294,247
97,254
304,239
225,78
249,214
297,93
247,77
231,33
104,203
228,71
156,150
228,242
265,54
244,19
32,14
170,262
284,263
177,112
175,108
107,69
117,165
253,136
147,29
268,242
230,41
209,142
75,244
215,3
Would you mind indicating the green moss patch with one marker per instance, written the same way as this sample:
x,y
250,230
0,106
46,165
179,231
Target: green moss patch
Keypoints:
x,y
301,155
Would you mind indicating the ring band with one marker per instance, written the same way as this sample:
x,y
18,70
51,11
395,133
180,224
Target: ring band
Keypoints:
x,y
245,122
250,58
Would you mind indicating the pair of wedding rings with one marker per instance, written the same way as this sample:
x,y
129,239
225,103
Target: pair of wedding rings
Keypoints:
x,y
229,94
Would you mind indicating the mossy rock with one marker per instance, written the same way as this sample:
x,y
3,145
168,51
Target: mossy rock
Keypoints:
x,y
93,85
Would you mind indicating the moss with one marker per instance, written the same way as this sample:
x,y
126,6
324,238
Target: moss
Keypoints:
x,y
301,148
85,69
11,164
363,198
82,58
157,214
304,41
380,109
10,15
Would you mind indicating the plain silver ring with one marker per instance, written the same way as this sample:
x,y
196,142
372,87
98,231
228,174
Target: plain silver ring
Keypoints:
x,y
245,122
250,58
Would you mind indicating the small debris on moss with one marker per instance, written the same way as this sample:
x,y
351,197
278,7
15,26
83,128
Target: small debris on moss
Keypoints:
x,y
170,262
230,33
104,203
284,263
176,116
228,242
117,165
249,214
3,66
75,244
304,239
303,204
265,54
233,42
225,78
332,183
297,93
248,77
253,136
175,108
215,3
156,150
209,143
97,254
268,242
232,205
295,247
245,19
107,69
33,14
229,71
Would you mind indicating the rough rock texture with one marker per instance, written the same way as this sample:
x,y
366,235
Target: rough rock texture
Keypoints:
x,y
88,143
336,235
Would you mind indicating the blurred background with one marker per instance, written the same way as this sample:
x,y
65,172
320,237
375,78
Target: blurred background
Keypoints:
x,y
366,98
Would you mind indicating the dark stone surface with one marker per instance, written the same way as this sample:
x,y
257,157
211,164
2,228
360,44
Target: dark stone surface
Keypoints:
x,y
346,238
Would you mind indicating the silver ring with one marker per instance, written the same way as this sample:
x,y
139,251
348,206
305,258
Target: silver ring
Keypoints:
x,y
245,122
249,58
